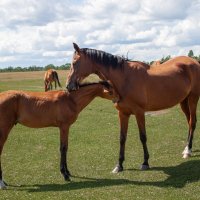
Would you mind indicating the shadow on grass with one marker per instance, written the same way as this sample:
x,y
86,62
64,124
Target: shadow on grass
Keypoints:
x,y
178,177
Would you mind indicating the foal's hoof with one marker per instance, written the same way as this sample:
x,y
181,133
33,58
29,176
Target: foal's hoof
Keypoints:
x,y
68,173
2,185
117,169
67,178
144,167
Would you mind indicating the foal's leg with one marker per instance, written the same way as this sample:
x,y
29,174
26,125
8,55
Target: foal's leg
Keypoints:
x,y
192,103
3,138
123,134
64,131
141,125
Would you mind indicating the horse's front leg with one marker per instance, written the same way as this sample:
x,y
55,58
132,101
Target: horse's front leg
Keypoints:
x,y
50,86
143,138
64,132
123,135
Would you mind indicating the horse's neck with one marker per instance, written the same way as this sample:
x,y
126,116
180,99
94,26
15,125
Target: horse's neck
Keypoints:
x,y
115,76
84,97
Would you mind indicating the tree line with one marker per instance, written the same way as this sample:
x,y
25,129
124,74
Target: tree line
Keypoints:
x,y
190,54
35,68
67,65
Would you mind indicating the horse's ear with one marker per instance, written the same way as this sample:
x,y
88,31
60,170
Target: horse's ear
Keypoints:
x,y
76,47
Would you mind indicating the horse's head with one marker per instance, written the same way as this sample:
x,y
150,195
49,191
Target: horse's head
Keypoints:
x,y
78,69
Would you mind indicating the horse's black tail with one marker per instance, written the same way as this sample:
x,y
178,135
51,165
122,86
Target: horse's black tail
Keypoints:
x,y
55,75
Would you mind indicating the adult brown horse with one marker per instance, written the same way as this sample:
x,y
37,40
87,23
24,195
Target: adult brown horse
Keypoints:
x,y
142,89
51,76
44,109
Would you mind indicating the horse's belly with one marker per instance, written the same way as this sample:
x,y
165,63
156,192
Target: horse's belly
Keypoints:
x,y
162,101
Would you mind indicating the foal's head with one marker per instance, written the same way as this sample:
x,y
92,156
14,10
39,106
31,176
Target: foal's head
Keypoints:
x,y
102,89
108,91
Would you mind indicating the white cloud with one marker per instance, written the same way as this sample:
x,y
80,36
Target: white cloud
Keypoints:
x,y
166,10
36,32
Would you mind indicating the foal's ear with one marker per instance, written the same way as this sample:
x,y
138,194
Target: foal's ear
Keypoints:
x,y
76,47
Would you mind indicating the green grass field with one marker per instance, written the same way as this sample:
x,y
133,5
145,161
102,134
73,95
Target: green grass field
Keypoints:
x,y
30,158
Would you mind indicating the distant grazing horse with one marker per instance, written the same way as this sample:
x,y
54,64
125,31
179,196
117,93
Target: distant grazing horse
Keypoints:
x,y
44,109
142,89
51,76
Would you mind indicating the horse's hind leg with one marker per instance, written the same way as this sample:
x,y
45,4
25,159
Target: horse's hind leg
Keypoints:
x,y
192,105
55,83
185,108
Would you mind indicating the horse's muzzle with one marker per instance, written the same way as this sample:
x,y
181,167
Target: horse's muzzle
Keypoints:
x,y
71,86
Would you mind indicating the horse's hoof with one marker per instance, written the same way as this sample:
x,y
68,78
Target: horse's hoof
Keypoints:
x,y
187,152
144,167
186,155
2,185
117,169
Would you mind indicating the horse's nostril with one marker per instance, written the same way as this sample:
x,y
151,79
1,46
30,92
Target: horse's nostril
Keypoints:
x,y
69,87
72,86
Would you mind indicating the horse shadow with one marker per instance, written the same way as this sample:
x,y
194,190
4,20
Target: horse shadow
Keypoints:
x,y
178,177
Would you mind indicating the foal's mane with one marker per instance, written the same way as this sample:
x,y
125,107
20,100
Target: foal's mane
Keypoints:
x,y
104,83
106,59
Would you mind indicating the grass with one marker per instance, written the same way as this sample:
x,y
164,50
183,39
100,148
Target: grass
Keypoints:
x,y
30,159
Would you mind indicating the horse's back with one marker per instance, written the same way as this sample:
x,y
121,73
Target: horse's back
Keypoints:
x,y
189,67
171,82
181,59
184,65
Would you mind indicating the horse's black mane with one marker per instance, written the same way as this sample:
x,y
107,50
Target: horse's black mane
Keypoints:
x,y
106,59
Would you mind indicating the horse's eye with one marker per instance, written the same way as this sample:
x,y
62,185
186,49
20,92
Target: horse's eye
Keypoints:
x,y
75,63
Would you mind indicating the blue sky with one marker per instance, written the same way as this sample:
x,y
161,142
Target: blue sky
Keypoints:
x,y
40,32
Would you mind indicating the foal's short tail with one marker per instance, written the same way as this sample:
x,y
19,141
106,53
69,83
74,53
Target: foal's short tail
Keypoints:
x,y
55,76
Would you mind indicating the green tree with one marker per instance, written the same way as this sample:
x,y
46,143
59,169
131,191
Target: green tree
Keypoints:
x,y
164,59
191,54
50,66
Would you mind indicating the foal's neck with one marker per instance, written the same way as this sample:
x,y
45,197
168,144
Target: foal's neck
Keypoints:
x,y
85,95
